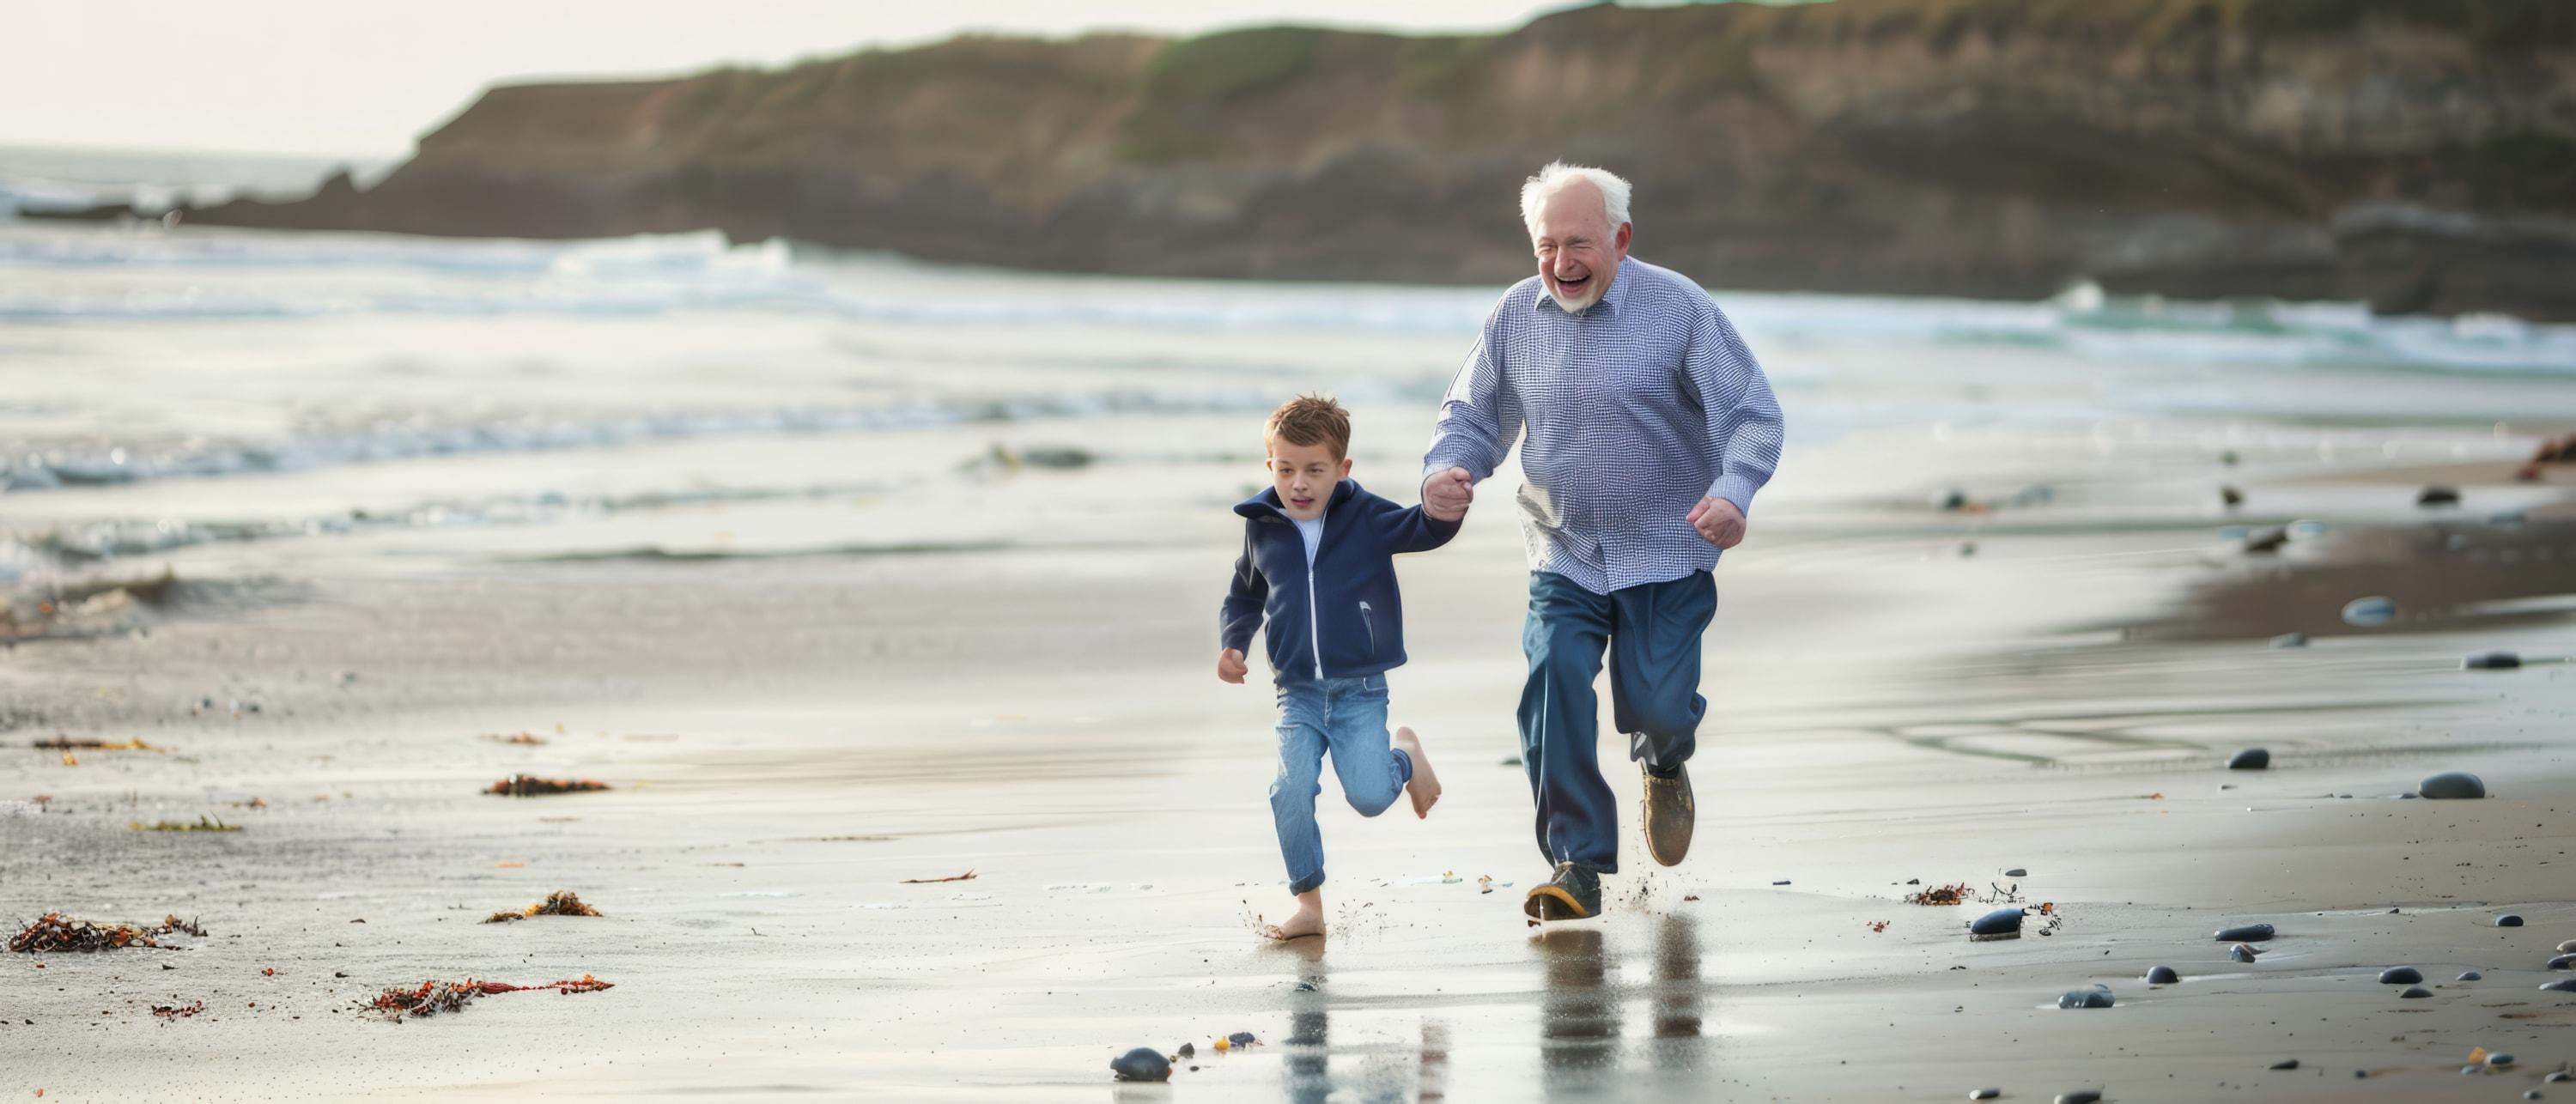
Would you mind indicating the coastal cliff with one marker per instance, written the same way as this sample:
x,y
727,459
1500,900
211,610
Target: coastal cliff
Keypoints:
x,y
2419,157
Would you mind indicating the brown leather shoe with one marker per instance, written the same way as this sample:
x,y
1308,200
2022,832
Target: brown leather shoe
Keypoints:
x,y
1670,814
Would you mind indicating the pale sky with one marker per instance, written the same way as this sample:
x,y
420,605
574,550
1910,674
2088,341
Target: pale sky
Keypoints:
x,y
365,77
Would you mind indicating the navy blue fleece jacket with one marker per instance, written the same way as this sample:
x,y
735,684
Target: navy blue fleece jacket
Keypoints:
x,y
1339,617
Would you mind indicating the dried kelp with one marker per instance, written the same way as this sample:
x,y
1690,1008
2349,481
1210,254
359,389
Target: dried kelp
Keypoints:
x,y
529,785
58,933
562,902
433,996
204,824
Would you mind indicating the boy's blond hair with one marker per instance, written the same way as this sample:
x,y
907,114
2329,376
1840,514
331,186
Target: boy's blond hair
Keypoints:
x,y
1310,420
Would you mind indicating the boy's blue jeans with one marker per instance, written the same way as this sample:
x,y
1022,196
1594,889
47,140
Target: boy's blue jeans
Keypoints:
x,y
1346,716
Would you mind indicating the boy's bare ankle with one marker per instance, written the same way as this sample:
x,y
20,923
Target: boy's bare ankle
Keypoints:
x,y
1307,920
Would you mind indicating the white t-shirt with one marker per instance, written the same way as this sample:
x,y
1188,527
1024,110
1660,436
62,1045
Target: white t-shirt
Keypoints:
x,y
1313,531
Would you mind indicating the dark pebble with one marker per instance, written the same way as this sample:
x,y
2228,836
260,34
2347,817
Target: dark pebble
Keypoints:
x,y
1241,1038
2499,1059
2245,933
2562,985
2231,496
2492,661
1955,500
1305,987
1984,1094
2366,612
2162,975
2250,759
2096,997
2416,993
1142,1064
2286,1063
2531,1094
2241,953
2400,975
2080,1096
2561,1075
2438,496
2290,640
2017,872
2452,784
2266,540
2470,975
2508,920
1997,922
1189,1050
2563,962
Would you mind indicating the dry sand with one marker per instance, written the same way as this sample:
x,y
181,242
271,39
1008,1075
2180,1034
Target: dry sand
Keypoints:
x,y
791,738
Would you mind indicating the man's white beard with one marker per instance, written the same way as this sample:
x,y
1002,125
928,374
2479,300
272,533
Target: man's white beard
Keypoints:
x,y
1591,295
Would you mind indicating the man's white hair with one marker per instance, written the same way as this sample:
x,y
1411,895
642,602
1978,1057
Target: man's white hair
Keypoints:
x,y
1554,178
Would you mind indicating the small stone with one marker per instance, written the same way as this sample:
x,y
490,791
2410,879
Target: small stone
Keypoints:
x,y
2531,1094
2416,993
2452,785
2241,953
1997,922
1984,1094
2246,933
1241,1039
2368,612
1142,1064
2017,872
1305,987
2562,985
2080,1096
2491,661
1189,1050
2499,1059
2438,496
2561,1075
2400,975
2230,496
2162,975
2228,458
2286,1063
2563,962
2508,920
1954,500
2470,975
1783,881
2096,997
2250,759
2290,640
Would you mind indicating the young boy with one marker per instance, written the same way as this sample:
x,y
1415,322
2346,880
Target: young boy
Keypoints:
x,y
1317,574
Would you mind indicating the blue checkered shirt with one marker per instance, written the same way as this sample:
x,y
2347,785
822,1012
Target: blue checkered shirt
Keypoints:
x,y
1635,408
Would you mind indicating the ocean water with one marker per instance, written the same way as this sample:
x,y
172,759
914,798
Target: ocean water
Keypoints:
x,y
352,401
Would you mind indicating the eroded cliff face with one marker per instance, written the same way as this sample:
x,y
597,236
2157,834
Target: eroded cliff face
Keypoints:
x,y
2419,156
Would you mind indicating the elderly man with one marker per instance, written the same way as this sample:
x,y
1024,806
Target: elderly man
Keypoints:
x,y
1649,427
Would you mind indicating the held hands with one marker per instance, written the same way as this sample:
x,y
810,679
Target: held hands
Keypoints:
x,y
1446,494
1229,666
1718,522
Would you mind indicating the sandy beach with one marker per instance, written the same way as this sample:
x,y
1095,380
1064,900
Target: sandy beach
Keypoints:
x,y
848,659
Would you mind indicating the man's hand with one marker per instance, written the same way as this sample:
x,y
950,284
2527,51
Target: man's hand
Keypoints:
x,y
1229,666
1446,494
1718,522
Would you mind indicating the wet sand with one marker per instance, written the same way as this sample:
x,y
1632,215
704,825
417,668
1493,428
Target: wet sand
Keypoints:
x,y
792,735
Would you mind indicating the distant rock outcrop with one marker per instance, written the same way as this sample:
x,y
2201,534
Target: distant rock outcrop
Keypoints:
x,y
2417,156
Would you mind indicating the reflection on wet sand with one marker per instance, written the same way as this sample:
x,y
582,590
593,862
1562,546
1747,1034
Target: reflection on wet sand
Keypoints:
x,y
1580,1019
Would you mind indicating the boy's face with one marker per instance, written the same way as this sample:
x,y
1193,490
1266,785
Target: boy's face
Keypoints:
x,y
1305,476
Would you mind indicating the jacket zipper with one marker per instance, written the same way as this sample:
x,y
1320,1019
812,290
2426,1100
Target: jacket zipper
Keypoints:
x,y
1369,622
1314,624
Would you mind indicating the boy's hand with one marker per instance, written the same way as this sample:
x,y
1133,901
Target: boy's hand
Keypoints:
x,y
1446,494
1229,666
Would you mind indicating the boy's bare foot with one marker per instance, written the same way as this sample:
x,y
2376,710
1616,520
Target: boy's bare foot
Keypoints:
x,y
1424,788
1308,919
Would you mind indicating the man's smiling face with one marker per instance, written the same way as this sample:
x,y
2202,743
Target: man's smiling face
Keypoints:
x,y
1578,250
